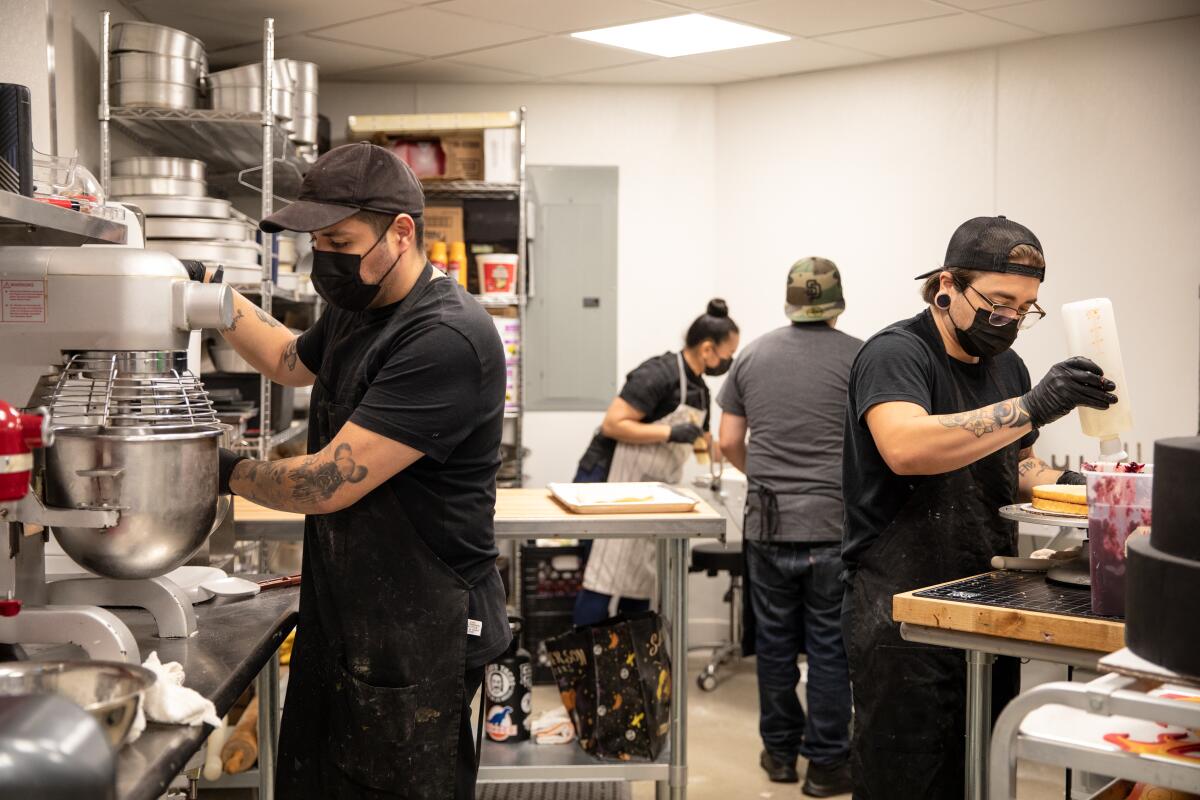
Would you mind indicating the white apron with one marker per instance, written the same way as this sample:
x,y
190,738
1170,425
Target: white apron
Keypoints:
x,y
625,567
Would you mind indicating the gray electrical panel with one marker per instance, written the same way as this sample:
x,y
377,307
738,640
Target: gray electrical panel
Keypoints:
x,y
571,318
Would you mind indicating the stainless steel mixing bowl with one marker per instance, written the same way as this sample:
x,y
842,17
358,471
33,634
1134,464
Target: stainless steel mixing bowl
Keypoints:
x,y
108,690
163,482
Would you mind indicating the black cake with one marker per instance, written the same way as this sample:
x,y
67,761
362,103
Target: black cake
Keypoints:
x,y
1162,590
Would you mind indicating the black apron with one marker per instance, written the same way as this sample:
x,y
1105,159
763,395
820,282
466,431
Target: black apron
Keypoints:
x,y
910,699
375,690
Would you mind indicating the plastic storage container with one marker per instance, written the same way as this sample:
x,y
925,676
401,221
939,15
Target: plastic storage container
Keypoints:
x,y
1092,333
497,273
1118,504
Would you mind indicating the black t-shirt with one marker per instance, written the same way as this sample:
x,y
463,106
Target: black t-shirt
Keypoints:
x,y
908,362
439,389
653,389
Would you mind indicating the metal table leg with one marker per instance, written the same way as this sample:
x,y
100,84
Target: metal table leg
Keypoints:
x,y
267,688
662,789
679,650
979,722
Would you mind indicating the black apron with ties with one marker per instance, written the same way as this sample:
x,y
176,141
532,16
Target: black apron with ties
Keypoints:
x,y
910,699
375,690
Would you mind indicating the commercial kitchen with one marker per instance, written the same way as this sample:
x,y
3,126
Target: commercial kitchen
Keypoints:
x,y
544,399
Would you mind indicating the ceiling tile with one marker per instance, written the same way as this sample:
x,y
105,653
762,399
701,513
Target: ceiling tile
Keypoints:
x,y
782,58
439,71
330,57
290,16
1074,16
552,55
960,32
980,5
662,70
816,17
426,31
557,16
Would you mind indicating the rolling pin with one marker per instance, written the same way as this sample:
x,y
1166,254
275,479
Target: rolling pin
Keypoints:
x,y
241,748
212,756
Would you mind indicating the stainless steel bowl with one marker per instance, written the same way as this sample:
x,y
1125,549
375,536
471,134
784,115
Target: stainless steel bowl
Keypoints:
x,y
107,690
144,37
154,67
163,483
159,167
126,185
237,254
187,228
153,94
165,206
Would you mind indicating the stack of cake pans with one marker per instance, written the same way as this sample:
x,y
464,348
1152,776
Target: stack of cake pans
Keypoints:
x,y
155,66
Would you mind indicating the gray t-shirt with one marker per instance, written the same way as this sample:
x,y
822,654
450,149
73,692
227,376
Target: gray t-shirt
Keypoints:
x,y
791,387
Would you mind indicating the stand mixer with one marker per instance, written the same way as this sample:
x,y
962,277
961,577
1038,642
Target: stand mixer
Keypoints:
x,y
97,339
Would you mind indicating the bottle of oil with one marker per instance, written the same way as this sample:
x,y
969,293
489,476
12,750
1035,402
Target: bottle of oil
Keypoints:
x,y
1092,333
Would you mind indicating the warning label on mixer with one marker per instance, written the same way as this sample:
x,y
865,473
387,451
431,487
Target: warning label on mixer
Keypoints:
x,y
22,301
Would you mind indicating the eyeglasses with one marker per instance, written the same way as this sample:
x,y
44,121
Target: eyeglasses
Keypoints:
x,y
1003,315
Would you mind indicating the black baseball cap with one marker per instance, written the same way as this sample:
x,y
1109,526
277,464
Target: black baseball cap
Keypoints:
x,y
983,243
348,179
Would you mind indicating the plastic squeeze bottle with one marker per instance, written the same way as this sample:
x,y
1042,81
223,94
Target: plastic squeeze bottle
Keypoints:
x,y
1092,333
456,267
437,254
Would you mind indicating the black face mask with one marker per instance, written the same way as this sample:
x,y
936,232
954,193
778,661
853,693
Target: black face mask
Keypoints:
x,y
721,368
983,339
336,278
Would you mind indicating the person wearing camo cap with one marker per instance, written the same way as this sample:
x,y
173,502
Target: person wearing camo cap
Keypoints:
x,y
789,388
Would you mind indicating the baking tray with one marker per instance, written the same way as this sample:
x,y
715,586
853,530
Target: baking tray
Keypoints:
x,y
194,228
622,498
1025,512
163,206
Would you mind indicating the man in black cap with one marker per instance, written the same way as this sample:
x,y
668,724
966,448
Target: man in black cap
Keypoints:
x,y
941,421
400,604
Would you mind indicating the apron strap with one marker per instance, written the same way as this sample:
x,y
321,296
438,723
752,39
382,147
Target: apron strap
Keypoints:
x,y
682,379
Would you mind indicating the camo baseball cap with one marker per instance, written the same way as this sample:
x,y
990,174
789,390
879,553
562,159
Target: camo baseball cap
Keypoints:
x,y
814,291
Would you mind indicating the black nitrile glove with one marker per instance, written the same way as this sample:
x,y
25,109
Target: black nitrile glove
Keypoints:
x,y
227,461
1069,384
1071,478
196,269
685,433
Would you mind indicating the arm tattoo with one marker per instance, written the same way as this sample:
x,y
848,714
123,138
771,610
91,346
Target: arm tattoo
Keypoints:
x,y
1034,465
267,318
307,483
234,322
290,355
981,421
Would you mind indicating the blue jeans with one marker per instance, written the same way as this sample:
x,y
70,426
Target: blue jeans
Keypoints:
x,y
797,601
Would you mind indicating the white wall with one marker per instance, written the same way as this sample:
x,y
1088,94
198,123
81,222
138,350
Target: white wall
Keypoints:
x,y
661,140
1092,140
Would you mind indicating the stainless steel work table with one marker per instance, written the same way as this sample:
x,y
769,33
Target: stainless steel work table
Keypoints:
x,y
534,514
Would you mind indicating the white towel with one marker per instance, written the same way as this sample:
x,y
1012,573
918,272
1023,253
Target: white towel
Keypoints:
x,y
552,727
169,701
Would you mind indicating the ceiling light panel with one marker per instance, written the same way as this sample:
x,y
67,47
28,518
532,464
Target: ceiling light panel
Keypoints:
x,y
681,36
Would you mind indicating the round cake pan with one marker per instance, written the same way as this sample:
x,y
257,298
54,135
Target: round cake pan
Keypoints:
x,y
304,74
251,75
304,104
145,37
154,67
153,94
191,228
249,98
305,130
126,185
159,167
241,276
164,206
240,254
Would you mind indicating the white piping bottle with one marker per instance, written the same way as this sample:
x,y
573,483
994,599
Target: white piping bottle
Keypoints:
x,y
1092,333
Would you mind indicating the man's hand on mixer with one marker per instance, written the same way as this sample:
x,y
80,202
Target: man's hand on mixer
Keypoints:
x,y
349,467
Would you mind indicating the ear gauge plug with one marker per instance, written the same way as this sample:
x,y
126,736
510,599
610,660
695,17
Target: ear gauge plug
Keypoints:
x,y
942,300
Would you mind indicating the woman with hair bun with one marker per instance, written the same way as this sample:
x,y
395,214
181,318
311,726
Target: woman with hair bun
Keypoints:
x,y
648,434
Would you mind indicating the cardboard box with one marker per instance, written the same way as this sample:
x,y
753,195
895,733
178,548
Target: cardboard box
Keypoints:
x,y
444,224
464,156
500,155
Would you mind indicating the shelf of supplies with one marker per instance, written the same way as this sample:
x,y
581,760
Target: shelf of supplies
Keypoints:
x,y
278,293
534,763
26,221
469,190
297,429
409,124
227,141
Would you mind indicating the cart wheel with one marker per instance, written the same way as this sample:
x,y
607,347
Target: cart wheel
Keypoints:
x,y
707,681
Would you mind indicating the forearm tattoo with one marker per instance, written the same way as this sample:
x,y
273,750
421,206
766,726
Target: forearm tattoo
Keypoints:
x,y
236,317
267,318
982,421
1033,466
299,484
290,356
